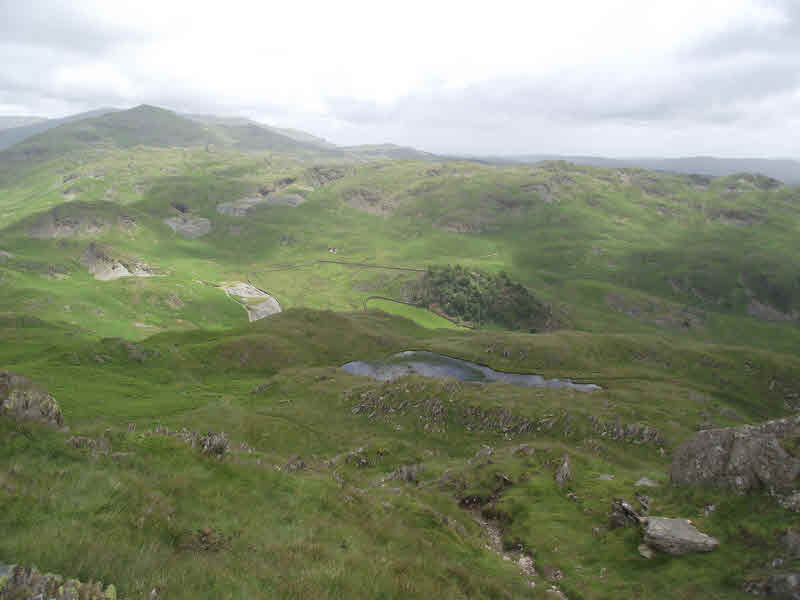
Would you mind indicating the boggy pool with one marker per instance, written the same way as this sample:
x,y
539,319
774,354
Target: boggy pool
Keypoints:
x,y
430,364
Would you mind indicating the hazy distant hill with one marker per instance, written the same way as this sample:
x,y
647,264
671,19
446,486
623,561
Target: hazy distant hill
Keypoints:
x,y
143,125
10,122
152,126
388,151
248,135
785,170
15,134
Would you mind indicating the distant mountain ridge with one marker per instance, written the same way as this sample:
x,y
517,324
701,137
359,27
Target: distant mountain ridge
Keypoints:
x,y
153,126
785,170
9,122
16,134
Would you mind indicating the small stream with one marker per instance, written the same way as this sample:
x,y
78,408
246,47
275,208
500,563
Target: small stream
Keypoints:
x,y
430,364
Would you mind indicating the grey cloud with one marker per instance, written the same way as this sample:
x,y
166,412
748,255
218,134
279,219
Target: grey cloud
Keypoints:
x,y
778,39
722,79
709,93
63,26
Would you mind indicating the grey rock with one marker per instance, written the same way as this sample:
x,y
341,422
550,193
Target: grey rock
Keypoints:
x,y
606,477
785,586
563,474
484,452
30,583
645,482
790,501
406,473
744,458
622,515
295,464
188,226
791,543
676,536
23,400
645,551
524,450
644,502
104,267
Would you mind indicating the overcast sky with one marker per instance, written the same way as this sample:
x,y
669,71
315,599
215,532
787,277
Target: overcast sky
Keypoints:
x,y
606,77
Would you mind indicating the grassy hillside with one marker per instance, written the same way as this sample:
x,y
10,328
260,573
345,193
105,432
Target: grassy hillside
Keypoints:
x,y
678,295
336,527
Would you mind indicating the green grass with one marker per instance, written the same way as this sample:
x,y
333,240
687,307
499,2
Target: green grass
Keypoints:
x,y
420,316
305,534
650,281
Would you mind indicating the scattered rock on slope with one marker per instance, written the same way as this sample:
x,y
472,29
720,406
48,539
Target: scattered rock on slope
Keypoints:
x,y
22,400
766,312
188,226
106,268
676,536
55,226
243,206
744,458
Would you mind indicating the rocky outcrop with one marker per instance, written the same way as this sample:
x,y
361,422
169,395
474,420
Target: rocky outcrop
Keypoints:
x,y
767,312
783,586
319,175
744,458
22,400
189,226
239,208
637,433
563,474
244,206
104,267
676,536
21,582
622,514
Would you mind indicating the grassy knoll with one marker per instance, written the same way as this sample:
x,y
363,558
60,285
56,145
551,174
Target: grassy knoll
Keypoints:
x,y
419,315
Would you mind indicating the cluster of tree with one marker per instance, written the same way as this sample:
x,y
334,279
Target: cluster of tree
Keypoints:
x,y
480,298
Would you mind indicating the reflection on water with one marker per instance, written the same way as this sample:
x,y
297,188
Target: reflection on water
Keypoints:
x,y
429,364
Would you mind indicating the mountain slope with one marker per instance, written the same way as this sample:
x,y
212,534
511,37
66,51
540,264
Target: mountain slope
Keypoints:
x,y
246,135
143,125
9,137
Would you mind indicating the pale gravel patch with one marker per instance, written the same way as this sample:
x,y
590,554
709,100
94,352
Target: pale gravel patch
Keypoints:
x,y
255,311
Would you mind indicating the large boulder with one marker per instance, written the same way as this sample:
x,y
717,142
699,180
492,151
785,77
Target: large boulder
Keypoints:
x,y
675,536
744,458
22,400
